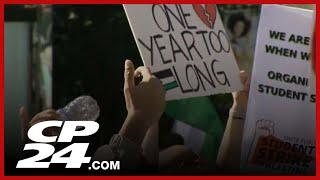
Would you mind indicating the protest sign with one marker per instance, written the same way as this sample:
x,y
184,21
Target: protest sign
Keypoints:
x,y
279,132
186,47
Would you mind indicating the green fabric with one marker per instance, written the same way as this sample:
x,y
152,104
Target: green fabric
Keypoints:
x,y
210,148
200,113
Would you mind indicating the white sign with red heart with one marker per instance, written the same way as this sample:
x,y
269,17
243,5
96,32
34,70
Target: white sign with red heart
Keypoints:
x,y
186,47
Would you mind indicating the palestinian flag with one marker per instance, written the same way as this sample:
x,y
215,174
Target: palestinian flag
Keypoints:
x,y
167,79
197,121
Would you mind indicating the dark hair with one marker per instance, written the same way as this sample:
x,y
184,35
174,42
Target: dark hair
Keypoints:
x,y
234,18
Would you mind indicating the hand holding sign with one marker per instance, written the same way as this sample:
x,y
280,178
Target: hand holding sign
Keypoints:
x,y
145,101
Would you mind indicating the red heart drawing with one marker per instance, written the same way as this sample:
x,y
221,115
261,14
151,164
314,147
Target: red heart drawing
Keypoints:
x,y
207,13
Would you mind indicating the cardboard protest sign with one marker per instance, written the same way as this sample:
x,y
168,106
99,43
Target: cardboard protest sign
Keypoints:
x,y
279,132
186,47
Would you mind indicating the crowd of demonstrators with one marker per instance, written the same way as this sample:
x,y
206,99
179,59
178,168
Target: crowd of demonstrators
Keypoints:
x,y
136,144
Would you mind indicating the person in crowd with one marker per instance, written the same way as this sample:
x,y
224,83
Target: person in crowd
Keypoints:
x,y
239,27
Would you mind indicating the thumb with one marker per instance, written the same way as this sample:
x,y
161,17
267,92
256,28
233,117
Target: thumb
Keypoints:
x,y
128,76
245,80
243,77
23,113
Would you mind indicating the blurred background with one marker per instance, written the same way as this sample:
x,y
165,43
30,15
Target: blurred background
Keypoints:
x,y
55,53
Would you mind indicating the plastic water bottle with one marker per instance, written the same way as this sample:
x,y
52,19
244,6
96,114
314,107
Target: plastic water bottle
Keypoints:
x,y
83,108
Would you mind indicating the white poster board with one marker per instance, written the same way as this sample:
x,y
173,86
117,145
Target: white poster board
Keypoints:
x,y
279,132
186,47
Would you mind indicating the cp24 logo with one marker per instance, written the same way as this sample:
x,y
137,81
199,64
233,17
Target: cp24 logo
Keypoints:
x,y
69,129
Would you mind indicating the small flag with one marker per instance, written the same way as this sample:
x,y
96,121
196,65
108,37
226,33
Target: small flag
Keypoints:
x,y
167,79
197,121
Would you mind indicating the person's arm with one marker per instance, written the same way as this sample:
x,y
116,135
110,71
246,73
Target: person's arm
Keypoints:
x,y
145,104
150,145
229,153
